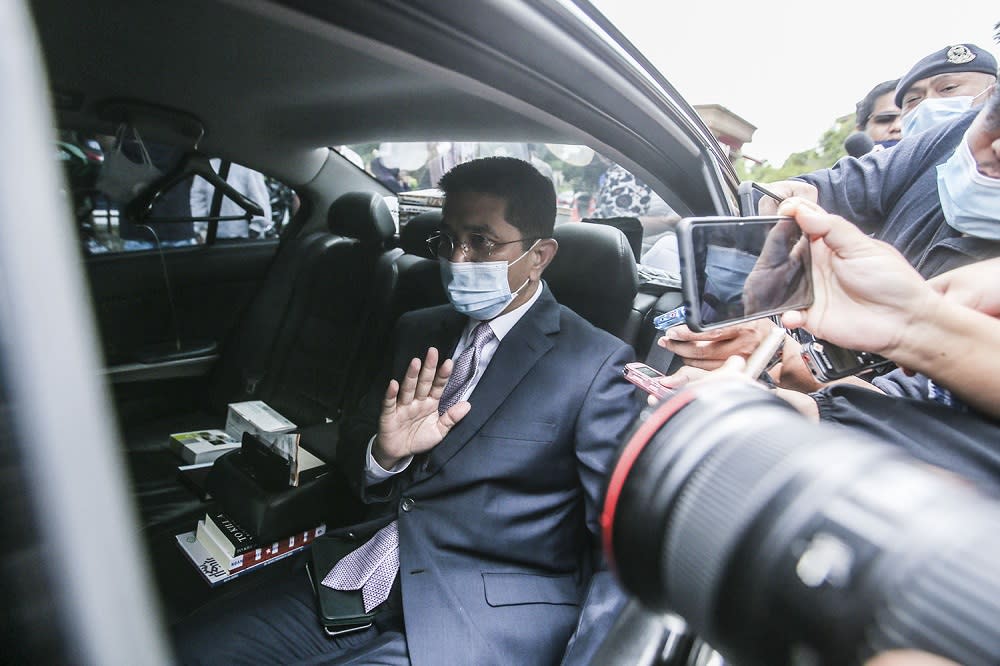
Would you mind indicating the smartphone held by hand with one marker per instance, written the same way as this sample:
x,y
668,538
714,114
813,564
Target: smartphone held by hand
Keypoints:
x,y
736,269
828,362
646,378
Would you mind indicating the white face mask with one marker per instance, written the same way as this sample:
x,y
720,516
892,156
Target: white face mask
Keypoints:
x,y
970,200
479,289
934,111
121,179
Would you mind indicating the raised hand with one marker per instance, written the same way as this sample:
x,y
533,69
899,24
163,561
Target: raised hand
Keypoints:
x,y
409,423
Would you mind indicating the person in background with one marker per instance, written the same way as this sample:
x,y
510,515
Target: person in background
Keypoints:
x,y
247,182
878,116
622,195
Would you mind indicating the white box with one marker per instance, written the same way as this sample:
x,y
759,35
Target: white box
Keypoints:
x,y
202,446
256,417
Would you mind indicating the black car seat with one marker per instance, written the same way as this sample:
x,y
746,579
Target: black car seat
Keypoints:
x,y
419,274
339,311
298,346
594,274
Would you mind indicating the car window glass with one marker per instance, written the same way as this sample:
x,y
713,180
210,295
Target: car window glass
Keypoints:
x,y
104,173
588,185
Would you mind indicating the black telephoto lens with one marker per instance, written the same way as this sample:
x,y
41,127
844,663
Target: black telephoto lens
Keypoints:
x,y
785,542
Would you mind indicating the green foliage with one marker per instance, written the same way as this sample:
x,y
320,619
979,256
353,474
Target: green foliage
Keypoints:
x,y
829,149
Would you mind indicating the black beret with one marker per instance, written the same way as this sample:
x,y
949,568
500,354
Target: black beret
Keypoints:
x,y
957,58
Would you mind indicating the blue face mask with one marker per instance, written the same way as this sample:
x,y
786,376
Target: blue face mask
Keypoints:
x,y
479,289
970,200
934,111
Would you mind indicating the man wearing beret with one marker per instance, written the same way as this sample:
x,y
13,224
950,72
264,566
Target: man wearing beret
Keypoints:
x,y
944,85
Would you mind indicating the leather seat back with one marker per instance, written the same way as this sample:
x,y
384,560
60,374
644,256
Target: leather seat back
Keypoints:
x,y
335,316
594,274
419,274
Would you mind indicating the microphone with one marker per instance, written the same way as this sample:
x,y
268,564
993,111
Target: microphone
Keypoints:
x,y
858,144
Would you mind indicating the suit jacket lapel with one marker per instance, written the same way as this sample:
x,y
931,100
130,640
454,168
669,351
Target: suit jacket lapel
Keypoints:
x,y
518,352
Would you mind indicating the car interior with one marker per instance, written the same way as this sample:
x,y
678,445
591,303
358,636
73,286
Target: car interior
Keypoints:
x,y
299,310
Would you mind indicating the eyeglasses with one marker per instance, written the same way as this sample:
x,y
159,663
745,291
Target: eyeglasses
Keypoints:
x,y
476,247
885,118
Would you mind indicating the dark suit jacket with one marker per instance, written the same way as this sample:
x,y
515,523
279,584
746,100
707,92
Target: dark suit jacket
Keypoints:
x,y
498,524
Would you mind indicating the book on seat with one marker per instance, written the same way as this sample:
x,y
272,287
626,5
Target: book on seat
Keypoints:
x,y
216,567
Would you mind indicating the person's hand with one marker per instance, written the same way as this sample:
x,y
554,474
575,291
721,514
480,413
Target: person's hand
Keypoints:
x,y
973,286
786,189
792,373
710,349
778,278
865,292
409,423
908,658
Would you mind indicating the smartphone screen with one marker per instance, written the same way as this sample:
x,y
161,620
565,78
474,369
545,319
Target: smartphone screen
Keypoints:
x,y
736,269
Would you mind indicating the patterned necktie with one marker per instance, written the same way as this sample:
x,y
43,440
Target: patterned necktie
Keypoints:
x,y
371,568
465,367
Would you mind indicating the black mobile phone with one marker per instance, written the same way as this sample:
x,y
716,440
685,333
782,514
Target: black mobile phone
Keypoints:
x,y
736,269
828,362
749,195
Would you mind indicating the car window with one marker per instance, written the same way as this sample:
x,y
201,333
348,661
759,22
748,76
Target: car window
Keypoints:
x,y
588,185
106,175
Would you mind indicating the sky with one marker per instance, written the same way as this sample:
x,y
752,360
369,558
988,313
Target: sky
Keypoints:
x,y
792,67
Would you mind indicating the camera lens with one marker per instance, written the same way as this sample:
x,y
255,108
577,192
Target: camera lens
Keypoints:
x,y
781,541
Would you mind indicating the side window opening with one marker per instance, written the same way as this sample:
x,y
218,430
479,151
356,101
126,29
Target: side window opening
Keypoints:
x,y
589,186
106,176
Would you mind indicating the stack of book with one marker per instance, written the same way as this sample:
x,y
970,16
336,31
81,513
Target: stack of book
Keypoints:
x,y
221,550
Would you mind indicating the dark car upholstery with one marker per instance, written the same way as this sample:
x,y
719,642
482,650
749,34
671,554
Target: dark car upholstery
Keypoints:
x,y
594,274
305,345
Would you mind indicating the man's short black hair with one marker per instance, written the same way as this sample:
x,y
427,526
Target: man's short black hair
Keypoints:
x,y
530,196
864,108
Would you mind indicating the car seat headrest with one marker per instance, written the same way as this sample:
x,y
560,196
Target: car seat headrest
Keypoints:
x,y
361,215
594,274
414,234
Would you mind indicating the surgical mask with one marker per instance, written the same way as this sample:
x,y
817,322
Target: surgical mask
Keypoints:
x,y
934,111
479,289
121,179
970,200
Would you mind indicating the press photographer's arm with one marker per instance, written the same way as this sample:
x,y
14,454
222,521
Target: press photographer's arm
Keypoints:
x,y
867,297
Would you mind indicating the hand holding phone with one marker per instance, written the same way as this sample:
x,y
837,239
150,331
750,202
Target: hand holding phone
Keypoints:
x,y
827,362
646,378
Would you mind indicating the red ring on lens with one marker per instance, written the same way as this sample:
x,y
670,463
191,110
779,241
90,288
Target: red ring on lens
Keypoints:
x,y
636,445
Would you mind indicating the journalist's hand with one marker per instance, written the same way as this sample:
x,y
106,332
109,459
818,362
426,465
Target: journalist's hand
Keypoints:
x,y
865,293
908,658
792,373
710,349
778,278
409,423
973,286
786,189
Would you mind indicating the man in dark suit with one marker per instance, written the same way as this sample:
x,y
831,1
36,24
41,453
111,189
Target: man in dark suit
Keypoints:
x,y
490,465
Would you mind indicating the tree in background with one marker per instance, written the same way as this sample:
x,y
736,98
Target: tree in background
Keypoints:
x,y
829,149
